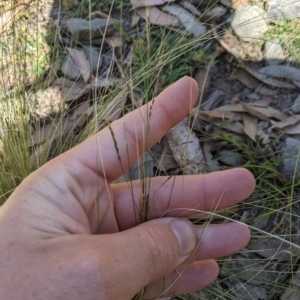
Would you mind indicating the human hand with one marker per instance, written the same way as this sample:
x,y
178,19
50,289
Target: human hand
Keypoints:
x,y
68,233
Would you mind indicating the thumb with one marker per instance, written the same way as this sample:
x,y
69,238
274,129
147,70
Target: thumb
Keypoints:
x,y
146,253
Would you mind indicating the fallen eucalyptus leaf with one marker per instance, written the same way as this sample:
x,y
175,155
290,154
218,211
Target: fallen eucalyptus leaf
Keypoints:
x,y
246,79
268,80
263,113
212,164
104,82
142,3
190,7
188,20
157,17
213,100
292,120
222,114
263,90
114,40
236,127
294,129
114,109
52,99
250,126
80,60
186,148
134,20
63,126
164,157
278,71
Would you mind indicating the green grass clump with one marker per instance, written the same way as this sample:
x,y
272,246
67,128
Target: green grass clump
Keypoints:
x,y
81,9
288,34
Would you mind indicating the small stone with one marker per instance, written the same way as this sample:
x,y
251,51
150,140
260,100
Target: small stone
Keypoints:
x,y
48,101
215,13
273,53
69,68
227,3
213,100
47,11
272,248
246,291
290,165
253,97
261,222
229,158
296,83
142,168
233,4
296,106
283,9
248,23
259,273
86,30
188,20
93,56
293,291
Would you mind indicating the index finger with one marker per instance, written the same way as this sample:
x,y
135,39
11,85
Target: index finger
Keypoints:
x,y
113,150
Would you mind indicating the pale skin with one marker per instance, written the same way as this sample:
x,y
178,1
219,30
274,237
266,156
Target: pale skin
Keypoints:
x,y
68,233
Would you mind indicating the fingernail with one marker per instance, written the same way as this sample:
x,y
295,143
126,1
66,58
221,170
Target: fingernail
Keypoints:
x,y
186,236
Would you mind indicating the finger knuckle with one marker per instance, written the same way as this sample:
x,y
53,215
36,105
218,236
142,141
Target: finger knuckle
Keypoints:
x,y
160,253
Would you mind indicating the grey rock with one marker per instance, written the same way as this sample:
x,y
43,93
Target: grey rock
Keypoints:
x,y
248,23
296,106
93,56
188,20
252,269
47,11
293,291
86,30
203,78
229,158
261,222
212,165
213,100
246,291
106,63
69,41
296,83
227,3
253,96
263,124
204,2
272,248
273,53
289,155
215,13
142,168
69,69
281,72
283,9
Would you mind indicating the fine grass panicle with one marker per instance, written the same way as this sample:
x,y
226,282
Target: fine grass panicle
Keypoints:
x,y
44,112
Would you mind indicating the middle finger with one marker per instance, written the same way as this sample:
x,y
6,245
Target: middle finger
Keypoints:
x,y
180,196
